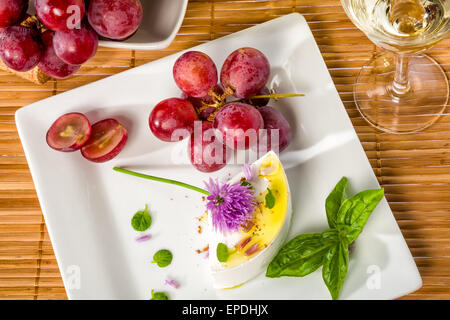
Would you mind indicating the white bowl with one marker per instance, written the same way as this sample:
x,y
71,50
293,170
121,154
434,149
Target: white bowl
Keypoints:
x,y
160,24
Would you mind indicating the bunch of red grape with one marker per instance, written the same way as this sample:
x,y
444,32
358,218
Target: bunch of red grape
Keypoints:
x,y
233,115
100,142
62,39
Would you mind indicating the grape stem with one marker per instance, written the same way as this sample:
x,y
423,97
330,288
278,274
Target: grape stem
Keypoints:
x,y
159,179
220,100
33,22
274,96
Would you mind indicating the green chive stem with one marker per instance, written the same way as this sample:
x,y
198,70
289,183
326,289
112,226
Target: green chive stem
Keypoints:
x,y
164,180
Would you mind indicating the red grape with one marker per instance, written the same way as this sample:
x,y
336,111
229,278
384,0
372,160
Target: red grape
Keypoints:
x,y
207,153
60,15
11,11
195,73
171,115
271,140
76,46
69,132
238,124
261,101
50,64
22,19
20,48
107,140
116,19
245,70
198,102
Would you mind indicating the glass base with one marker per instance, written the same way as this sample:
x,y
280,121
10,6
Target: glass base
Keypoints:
x,y
398,113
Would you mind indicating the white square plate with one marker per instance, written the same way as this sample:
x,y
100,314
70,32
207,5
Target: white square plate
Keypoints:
x,y
88,207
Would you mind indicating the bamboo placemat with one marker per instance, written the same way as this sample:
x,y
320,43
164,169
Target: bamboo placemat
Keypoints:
x,y
413,169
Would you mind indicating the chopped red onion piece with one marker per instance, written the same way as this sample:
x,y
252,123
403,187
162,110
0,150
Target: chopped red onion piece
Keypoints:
x,y
244,243
144,238
172,283
253,249
248,172
248,226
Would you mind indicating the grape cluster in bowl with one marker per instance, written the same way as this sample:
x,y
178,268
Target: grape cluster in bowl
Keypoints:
x,y
221,117
64,33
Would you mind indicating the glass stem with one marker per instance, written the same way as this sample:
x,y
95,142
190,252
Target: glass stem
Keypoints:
x,y
401,83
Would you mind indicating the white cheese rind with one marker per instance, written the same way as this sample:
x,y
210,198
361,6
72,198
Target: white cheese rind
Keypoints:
x,y
224,277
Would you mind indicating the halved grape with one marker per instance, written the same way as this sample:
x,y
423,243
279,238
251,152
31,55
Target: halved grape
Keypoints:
x,y
20,48
50,64
245,70
172,118
76,46
69,132
116,19
195,73
208,154
107,140
11,11
238,124
270,139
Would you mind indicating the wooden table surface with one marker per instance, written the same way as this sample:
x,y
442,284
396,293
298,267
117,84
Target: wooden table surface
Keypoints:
x,y
413,169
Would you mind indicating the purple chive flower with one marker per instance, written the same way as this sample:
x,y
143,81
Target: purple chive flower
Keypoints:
x,y
144,238
172,283
248,172
231,206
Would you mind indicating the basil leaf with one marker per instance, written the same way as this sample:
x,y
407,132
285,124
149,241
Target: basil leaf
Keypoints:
x,y
159,296
335,266
222,252
141,220
302,255
355,211
334,201
270,199
162,258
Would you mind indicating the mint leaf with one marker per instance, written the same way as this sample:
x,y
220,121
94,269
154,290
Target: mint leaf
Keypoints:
x,y
222,252
270,199
141,220
334,201
335,266
355,211
163,258
302,255
246,183
159,296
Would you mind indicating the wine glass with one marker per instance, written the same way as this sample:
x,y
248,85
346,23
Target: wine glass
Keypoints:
x,y
401,90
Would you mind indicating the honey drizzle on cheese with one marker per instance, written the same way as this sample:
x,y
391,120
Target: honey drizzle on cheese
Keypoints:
x,y
267,222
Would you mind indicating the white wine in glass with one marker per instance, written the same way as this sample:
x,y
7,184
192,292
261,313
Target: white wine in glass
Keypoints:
x,y
401,90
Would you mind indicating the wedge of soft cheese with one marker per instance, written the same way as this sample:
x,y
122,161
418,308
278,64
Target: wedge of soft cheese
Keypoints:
x,y
255,244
